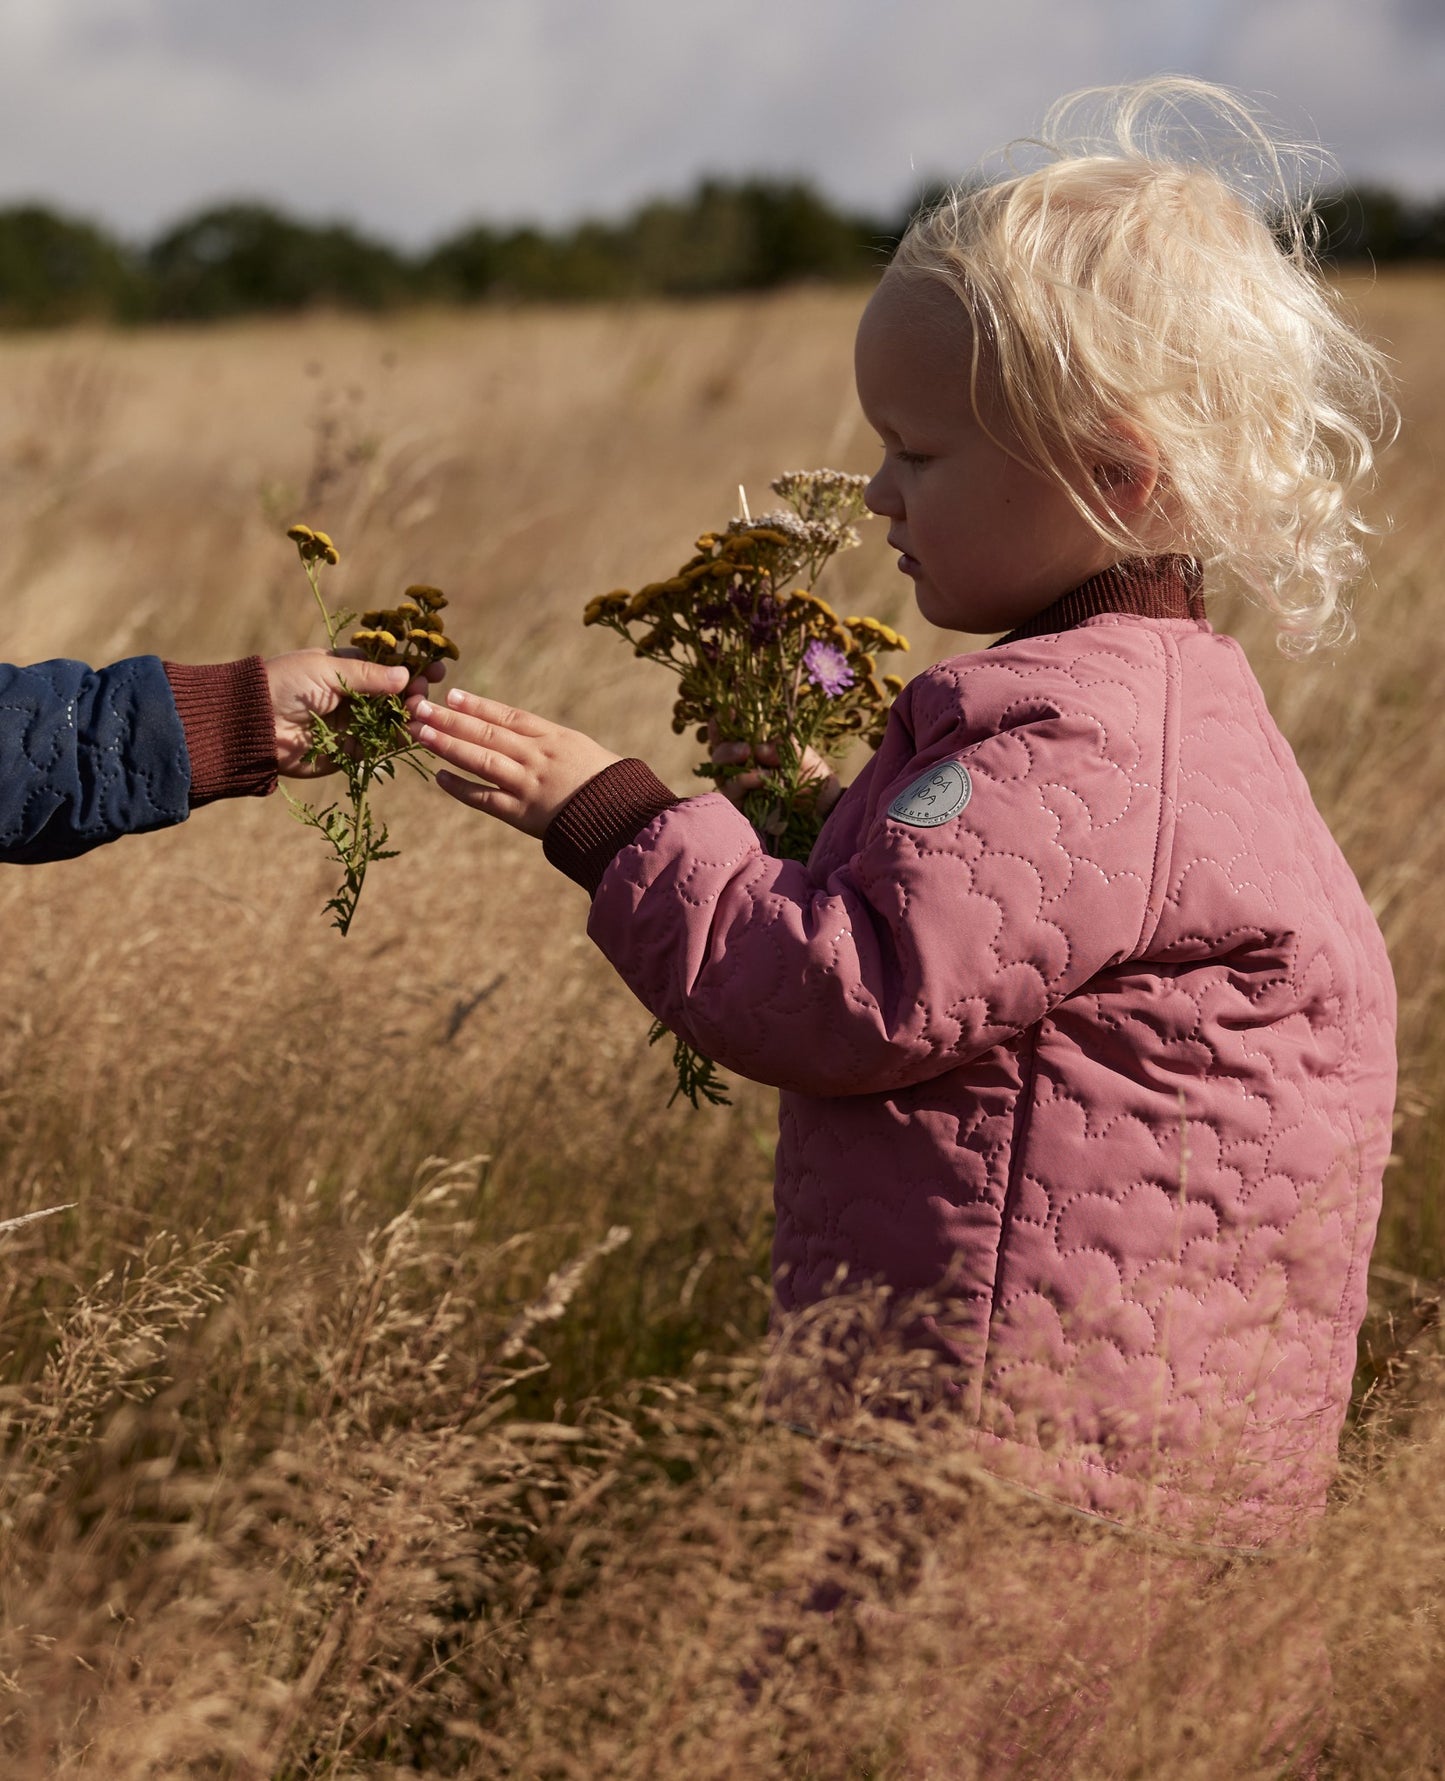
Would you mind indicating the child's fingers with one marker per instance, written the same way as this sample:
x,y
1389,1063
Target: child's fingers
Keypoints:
x,y
490,711
500,769
734,754
528,767
738,754
491,800
503,740
361,676
745,782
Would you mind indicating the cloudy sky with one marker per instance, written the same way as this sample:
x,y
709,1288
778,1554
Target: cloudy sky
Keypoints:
x,y
411,117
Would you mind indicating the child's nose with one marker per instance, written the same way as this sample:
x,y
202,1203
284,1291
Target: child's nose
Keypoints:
x,y
880,496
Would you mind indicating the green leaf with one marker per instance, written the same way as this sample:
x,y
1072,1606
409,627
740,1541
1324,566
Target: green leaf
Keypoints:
x,y
698,1079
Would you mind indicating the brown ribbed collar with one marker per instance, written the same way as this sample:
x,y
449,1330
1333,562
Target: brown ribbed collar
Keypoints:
x,y
1151,587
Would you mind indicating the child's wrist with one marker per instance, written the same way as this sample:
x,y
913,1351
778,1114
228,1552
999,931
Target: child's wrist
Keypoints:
x,y
602,817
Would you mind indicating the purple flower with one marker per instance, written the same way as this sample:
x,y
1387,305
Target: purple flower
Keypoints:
x,y
827,667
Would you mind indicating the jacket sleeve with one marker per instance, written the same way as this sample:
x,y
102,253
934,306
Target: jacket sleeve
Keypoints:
x,y
925,945
88,755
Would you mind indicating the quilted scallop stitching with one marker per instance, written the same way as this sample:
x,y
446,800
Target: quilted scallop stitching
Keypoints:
x,y
1235,797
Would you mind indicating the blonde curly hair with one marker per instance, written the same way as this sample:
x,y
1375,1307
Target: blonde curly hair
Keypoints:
x,y
1150,288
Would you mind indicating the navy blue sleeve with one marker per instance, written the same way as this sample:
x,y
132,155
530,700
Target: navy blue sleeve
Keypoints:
x,y
87,755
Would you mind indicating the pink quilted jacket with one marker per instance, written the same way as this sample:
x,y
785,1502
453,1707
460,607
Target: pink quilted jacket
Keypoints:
x,y
1080,1017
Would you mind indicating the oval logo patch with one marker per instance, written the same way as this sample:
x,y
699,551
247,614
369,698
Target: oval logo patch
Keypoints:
x,y
940,794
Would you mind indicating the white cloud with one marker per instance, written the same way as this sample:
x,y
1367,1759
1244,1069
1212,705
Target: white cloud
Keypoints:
x,y
413,119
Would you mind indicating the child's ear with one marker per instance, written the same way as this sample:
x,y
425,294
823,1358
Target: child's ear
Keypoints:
x,y
1125,482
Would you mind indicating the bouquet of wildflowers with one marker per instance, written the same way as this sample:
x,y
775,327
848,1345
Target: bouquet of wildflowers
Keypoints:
x,y
375,738
760,657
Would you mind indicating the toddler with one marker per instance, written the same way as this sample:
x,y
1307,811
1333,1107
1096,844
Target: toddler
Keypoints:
x,y
1081,1022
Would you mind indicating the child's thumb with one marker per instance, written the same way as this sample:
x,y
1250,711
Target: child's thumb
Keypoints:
x,y
375,677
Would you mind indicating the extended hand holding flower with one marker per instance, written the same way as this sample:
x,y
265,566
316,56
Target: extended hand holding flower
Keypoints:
x,y
526,767
397,650
309,683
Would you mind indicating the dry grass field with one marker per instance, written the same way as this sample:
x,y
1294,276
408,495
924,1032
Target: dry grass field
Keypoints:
x,y
384,1405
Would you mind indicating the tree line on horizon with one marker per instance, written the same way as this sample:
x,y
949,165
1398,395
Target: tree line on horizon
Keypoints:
x,y
248,258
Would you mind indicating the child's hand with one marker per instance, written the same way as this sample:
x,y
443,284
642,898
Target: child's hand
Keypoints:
x,y
315,682
738,754
530,766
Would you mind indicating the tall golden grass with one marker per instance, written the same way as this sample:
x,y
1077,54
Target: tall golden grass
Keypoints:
x,y
386,1402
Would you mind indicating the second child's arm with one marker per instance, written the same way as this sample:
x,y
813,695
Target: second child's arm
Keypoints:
x,y
88,755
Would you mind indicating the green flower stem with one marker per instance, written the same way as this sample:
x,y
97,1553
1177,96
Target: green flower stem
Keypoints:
x,y
375,740
332,622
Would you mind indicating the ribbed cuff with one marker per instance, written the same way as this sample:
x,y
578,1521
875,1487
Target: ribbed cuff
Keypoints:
x,y
225,710
601,818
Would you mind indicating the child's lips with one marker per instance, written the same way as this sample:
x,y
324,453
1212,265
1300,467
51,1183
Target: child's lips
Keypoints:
x,y
907,564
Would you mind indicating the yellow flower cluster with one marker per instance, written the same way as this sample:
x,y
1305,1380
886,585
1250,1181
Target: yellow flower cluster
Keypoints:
x,y
315,547
758,657
872,633
761,658
409,635
371,737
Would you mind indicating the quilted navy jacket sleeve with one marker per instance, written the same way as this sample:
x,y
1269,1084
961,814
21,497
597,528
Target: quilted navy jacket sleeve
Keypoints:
x,y
87,755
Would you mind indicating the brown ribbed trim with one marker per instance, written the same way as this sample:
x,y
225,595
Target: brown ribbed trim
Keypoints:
x,y
225,710
1150,587
601,817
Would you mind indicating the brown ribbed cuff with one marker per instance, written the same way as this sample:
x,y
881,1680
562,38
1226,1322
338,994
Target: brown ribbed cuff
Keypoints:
x,y
601,817
225,710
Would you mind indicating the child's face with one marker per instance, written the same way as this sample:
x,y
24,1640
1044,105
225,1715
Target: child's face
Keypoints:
x,y
987,541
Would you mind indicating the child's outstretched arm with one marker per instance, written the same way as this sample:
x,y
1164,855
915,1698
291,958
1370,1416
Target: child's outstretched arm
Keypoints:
x,y
1002,848
526,767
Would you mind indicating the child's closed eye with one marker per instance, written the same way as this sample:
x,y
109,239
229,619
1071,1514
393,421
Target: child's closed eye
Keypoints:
x,y
911,457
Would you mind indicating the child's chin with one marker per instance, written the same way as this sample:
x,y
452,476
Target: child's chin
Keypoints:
x,y
973,614
943,613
